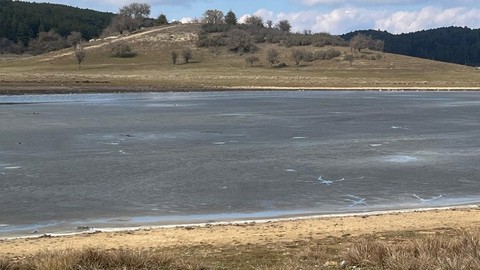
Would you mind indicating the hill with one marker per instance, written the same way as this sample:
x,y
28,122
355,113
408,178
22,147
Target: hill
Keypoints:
x,y
220,68
459,45
22,21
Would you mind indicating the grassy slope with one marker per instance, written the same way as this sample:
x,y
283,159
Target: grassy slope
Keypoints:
x,y
152,68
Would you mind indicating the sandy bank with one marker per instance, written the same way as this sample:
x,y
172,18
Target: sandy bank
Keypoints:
x,y
254,232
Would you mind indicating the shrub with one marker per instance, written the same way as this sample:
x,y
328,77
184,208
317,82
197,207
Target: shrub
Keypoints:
x,y
251,59
122,50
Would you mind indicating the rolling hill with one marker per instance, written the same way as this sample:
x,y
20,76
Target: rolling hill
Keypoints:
x,y
217,68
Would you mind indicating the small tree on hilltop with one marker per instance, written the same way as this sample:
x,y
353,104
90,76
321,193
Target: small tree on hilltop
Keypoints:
x,y
133,16
80,54
251,59
213,16
254,20
272,56
161,20
359,42
284,25
231,18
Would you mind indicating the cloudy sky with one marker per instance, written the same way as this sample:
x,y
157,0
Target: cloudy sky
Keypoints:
x,y
333,16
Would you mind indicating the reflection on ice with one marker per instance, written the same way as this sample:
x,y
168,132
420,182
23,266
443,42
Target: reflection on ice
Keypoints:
x,y
401,159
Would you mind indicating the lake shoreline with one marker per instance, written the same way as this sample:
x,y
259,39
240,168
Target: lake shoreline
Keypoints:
x,y
98,89
256,232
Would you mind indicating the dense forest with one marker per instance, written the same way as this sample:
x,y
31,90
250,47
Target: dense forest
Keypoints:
x,y
459,45
22,21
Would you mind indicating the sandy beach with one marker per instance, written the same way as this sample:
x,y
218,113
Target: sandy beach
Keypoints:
x,y
254,233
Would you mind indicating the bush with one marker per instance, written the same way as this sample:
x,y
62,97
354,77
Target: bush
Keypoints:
x,y
122,50
251,59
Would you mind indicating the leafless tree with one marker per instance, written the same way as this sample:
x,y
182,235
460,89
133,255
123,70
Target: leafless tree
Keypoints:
x,y
269,23
80,54
74,38
174,57
123,50
251,59
136,10
131,17
272,56
240,41
299,55
213,16
350,58
187,55
254,20
359,42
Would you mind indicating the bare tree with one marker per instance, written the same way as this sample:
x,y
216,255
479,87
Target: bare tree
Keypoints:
x,y
80,54
269,23
132,17
74,38
299,55
284,25
251,59
174,57
213,16
254,20
272,56
359,42
136,10
187,55
350,58
47,42
240,41
122,50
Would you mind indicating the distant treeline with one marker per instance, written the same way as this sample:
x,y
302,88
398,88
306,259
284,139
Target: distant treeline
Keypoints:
x,y
22,21
459,45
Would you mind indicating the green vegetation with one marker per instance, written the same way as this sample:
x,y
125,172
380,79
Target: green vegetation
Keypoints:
x,y
459,45
22,21
444,250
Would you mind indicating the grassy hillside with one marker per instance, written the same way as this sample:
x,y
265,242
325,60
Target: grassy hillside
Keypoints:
x,y
152,68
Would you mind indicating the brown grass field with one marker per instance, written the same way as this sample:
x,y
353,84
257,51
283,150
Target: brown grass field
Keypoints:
x,y
152,69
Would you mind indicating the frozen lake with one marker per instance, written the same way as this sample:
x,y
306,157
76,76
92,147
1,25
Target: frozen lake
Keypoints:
x,y
113,160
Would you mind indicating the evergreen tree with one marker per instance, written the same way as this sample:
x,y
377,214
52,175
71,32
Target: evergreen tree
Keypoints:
x,y
231,18
161,20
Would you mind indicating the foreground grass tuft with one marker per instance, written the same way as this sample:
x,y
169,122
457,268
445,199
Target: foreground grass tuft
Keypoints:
x,y
460,252
448,250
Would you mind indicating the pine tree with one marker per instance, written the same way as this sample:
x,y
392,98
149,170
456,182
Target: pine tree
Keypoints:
x,y
231,18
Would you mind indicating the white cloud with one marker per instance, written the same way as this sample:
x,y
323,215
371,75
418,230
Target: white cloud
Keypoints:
x,y
387,2
346,19
429,17
338,21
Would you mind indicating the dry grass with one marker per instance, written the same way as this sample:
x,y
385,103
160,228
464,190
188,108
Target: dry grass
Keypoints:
x,y
152,68
447,250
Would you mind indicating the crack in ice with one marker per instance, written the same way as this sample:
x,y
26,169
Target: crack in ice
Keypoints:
x,y
330,182
423,200
355,200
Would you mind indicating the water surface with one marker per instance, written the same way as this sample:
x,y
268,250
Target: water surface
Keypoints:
x,y
103,160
